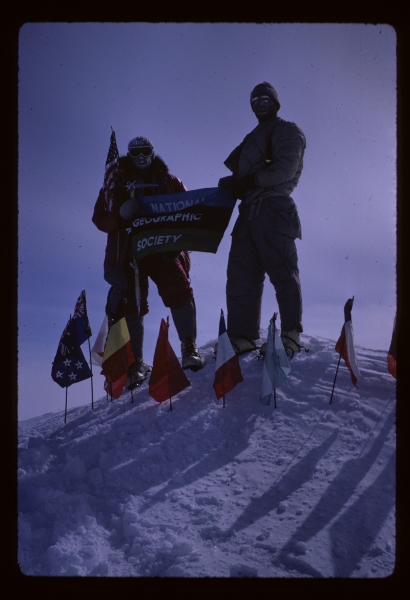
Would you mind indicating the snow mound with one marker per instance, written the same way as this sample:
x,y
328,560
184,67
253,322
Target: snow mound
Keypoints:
x,y
306,489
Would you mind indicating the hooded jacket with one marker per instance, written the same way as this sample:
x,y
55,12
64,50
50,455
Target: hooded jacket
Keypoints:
x,y
110,221
273,151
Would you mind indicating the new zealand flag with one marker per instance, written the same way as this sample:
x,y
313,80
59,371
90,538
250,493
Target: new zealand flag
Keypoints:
x,y
69,364
80,318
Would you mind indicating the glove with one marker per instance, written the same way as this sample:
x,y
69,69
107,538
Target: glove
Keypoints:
x,y
242,184
130,208
225,182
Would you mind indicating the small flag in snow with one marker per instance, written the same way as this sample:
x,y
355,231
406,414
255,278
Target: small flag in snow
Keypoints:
x,y
118,356
97,351
345,343
391,355
167,378
69,365
275,365
80,319
227,369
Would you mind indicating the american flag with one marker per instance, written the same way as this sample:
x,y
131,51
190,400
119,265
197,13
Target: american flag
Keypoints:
x,y
111,170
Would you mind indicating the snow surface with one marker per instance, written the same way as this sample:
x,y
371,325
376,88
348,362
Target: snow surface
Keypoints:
x,y
303,490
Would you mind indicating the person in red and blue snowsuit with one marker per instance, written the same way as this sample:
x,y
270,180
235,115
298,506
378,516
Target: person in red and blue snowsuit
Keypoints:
x,y
169,270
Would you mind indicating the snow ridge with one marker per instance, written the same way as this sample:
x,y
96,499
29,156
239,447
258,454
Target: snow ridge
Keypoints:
x,y
133,489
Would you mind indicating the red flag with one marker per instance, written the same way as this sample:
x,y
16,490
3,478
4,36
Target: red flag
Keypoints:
x,y
167,377
227,370
118,356
391,356
114,388
345,344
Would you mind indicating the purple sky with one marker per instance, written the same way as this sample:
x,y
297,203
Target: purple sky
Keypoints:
x,y
186,87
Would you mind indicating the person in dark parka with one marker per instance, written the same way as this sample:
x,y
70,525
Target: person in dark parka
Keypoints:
x,y
144,173
266,168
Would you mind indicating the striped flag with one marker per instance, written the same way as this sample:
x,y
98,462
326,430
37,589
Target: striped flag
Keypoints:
x,y
275,365
345,344
227,369
111,171
167,378
97,351
117,356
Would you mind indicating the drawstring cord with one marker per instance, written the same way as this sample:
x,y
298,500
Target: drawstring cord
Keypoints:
x,y
256,204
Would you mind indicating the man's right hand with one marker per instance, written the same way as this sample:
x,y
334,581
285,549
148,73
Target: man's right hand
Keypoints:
x,y
130,208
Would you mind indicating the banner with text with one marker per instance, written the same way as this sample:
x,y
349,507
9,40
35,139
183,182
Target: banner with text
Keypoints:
x,y
194,220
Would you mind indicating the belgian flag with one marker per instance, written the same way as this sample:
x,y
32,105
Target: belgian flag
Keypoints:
x,y
118,356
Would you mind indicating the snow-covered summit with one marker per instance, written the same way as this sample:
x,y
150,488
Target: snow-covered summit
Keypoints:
x,y
306,489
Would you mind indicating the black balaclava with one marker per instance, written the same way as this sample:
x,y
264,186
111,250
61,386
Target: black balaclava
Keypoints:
x,y
266,89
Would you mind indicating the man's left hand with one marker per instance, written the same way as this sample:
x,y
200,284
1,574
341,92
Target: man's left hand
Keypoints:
x,y
242,184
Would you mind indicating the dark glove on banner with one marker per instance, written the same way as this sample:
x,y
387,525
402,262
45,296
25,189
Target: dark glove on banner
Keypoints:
x,y
242,184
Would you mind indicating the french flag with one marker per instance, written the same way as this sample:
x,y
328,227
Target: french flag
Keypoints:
x,y
345,344
227,370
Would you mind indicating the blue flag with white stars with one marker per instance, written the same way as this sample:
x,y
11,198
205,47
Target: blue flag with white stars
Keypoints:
x,y
80,318
69,365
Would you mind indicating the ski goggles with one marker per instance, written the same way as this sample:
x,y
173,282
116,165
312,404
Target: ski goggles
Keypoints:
x,y
144,150
261,99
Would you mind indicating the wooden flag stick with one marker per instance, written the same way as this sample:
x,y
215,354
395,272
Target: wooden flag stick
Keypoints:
x,y
65,413
274,338
91,368
334,382
169,389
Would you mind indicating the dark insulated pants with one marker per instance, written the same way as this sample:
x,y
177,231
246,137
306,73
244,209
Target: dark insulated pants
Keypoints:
x,y
171,275
184,319
257,251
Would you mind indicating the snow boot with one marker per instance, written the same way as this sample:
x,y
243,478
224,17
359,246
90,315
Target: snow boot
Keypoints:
x,y
137,373
191,359
240,345
291,343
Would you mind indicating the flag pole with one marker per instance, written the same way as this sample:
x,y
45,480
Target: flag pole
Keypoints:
x,y
169,389
223,366
274,337
89,348
65,413
91,367
334,382
66,395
